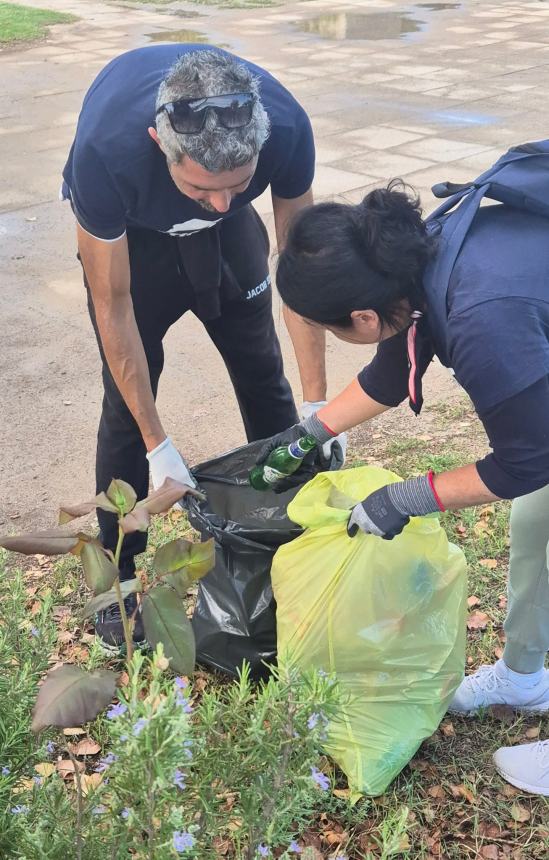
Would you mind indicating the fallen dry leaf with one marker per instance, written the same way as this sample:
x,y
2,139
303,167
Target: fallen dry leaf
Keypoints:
x,y
519,813
473,601
490,563
85,747
462,791
66,768
77,730
532,733
344,793
437,792
510,790
490,852
332,837
89,782
45,768
448,730
477,620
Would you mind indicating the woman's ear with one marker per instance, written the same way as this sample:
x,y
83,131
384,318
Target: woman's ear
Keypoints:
x,y
366,321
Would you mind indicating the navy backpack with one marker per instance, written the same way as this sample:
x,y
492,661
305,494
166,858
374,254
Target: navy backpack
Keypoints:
x,y
520,178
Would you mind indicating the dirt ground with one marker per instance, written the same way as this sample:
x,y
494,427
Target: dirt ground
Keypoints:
x,y
397,105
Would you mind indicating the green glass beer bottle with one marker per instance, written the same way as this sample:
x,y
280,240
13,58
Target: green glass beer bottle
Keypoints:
x,y
281,462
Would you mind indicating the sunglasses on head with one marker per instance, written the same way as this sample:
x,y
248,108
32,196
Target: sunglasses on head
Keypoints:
x,y
187,116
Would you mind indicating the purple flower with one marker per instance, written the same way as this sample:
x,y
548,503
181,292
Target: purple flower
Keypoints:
x,y
263,850
312,721
341,857
294,848
182,840
322,674
19,810
37,780
105,762
116,711
139,726
179,778
99,810
125,812
5,771
184,702
320,778
50,747
123,738
181,683
35,631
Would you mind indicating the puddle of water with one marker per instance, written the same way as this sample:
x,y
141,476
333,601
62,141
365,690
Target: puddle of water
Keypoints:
x,y
437,7
370,26
191,36
349,25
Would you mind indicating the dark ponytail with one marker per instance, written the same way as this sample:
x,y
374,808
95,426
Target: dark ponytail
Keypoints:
x,y
339,258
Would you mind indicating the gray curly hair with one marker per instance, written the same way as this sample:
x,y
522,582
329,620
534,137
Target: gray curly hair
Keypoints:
x,y
206,73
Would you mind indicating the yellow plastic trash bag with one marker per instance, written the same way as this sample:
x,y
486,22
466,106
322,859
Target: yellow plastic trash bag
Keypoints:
x,y
387,617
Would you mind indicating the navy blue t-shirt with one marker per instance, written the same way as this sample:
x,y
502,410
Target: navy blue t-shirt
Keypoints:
x,y
116,175
497,342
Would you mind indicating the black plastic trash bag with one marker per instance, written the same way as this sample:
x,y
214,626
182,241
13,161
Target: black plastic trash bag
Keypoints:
x,y
235,615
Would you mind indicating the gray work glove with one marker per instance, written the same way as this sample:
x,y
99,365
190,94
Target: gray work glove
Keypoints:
x,y
313,463
385,512
309,408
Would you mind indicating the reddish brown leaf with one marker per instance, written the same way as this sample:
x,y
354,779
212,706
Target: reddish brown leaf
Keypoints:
x,y
158,502
490,852
52,542
473,601
448,730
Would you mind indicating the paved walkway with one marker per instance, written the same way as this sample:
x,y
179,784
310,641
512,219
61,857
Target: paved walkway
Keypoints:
x,y
448,87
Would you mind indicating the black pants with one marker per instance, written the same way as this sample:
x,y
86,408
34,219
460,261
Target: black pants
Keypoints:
x,y
244,334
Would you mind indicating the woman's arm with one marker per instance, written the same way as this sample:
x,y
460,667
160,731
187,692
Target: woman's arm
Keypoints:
x,y
353,406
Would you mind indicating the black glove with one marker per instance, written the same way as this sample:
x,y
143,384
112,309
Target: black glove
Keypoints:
x,y
313,463
386,511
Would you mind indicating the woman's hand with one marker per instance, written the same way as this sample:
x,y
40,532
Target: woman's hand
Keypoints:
x,y
387,511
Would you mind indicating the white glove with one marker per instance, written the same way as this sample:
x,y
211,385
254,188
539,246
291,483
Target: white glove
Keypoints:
x,y
309,408
166,462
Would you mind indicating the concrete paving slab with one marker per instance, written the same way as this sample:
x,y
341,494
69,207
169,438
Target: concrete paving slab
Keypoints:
x,y
439,104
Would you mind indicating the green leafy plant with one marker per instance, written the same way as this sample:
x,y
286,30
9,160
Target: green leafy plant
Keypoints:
x,y
69,695
231,771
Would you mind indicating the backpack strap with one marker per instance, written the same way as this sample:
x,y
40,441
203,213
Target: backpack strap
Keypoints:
x,y
451,238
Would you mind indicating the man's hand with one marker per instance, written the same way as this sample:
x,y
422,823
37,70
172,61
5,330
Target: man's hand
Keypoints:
x,y
387,511
166,462
310,408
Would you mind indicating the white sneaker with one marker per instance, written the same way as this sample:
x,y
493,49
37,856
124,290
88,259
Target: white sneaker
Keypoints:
x,y
490,685
526,766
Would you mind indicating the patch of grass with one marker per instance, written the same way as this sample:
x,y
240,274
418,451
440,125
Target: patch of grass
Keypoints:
x,y
25,24
454,409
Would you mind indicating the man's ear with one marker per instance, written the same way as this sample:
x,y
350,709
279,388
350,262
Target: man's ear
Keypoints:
x,y
154,134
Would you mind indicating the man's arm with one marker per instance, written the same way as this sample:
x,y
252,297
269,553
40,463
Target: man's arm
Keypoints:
x,y
107,268
309,341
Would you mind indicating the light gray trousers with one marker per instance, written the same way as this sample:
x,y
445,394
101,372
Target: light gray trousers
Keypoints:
x,y
527,622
